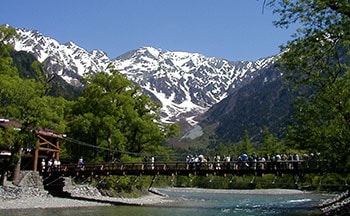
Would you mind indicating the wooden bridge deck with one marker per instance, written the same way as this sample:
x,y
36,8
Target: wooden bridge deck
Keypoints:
x,y
186,169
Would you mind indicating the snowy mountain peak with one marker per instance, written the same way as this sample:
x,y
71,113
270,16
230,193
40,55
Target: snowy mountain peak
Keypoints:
x,y
150,50
67,60
187,84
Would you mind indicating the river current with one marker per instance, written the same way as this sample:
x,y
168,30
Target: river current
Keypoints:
x,y
189,202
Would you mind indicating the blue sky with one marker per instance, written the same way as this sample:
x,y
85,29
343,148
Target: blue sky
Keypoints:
x,y
229,29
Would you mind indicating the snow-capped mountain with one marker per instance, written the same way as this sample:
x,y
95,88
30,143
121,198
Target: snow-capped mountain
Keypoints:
x,y
187,84
66,60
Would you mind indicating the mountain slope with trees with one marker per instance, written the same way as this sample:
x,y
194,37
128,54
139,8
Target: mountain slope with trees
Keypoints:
x,y
24,63
264,102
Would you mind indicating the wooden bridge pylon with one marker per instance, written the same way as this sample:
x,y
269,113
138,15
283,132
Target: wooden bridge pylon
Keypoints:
x,y
49,142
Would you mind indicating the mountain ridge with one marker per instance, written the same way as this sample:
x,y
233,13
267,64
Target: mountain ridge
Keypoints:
x,y
187,84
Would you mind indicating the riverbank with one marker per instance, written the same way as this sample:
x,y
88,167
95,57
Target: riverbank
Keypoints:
x,y
34,198
12,197
56,202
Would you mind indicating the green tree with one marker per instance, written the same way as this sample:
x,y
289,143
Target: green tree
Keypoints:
x,y
317,64
6,66
269,144
9,139
23,100
245,145
114,114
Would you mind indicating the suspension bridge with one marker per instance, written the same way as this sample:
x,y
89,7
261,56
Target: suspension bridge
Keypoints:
x,y
49,147
189,168
49,142
53,177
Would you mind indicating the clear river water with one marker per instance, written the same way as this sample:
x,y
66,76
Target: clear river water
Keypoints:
x,y
189,202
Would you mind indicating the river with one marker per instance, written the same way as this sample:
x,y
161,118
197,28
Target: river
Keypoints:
x,y
189,202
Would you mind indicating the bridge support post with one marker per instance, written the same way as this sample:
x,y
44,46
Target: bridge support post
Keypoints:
x,y
48,142
274,180
296,179
252,181
36,158
153,180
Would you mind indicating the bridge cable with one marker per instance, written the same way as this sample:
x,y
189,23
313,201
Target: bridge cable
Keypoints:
x,y
98,147
112,150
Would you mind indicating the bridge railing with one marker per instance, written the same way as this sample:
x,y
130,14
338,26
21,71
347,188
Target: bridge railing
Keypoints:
x,y
168,168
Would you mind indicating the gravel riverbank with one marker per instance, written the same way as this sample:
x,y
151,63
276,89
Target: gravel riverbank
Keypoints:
x,y
32,198
12,197
55,202
29,193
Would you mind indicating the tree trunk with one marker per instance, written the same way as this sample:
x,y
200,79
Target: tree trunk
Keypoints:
x,y
2,177
17,169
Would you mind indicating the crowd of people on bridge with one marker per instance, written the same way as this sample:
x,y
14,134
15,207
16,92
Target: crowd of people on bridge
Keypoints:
x,y
252,161
50,165
243,161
